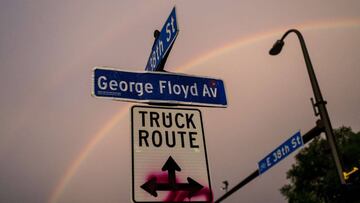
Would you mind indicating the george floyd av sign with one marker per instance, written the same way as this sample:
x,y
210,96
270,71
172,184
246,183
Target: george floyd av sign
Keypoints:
x,y
169,159
158,87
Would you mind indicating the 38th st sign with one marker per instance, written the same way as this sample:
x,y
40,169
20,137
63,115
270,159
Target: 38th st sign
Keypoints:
x,y
163,43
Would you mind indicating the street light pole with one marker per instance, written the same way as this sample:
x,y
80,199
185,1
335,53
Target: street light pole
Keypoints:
x,y
319,101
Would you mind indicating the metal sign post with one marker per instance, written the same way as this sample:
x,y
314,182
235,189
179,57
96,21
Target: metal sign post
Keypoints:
x,y
320,104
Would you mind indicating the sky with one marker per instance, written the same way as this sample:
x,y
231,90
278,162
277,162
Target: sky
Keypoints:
x,y
59,144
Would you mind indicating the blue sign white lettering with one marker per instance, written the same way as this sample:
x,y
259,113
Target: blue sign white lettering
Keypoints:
x,y
163,42
158,87
281,152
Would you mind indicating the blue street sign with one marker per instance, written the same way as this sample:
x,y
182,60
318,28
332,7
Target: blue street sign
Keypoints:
x,y
163,42
281,152
158,87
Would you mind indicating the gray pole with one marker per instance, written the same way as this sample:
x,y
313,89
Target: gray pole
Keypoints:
x,y
319,101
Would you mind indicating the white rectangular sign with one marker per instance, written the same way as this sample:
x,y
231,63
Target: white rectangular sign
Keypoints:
x,y
169,160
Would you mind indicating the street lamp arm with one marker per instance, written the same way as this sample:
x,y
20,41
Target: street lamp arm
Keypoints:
x,y
314,83
297,32
277,47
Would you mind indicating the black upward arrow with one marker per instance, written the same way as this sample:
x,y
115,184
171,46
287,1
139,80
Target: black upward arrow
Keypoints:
x,y
171,166
151,186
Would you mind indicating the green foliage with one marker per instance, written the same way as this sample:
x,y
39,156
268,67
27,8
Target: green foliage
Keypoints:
x,y
313,178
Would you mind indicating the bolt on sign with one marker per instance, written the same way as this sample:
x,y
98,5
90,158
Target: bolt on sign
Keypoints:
x,y
169,160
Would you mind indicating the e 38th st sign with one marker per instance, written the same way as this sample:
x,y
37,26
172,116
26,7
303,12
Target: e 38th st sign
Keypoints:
x,y
281,152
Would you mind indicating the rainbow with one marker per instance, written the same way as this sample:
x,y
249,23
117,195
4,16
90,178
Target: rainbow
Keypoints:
x,y
96,138
122,112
